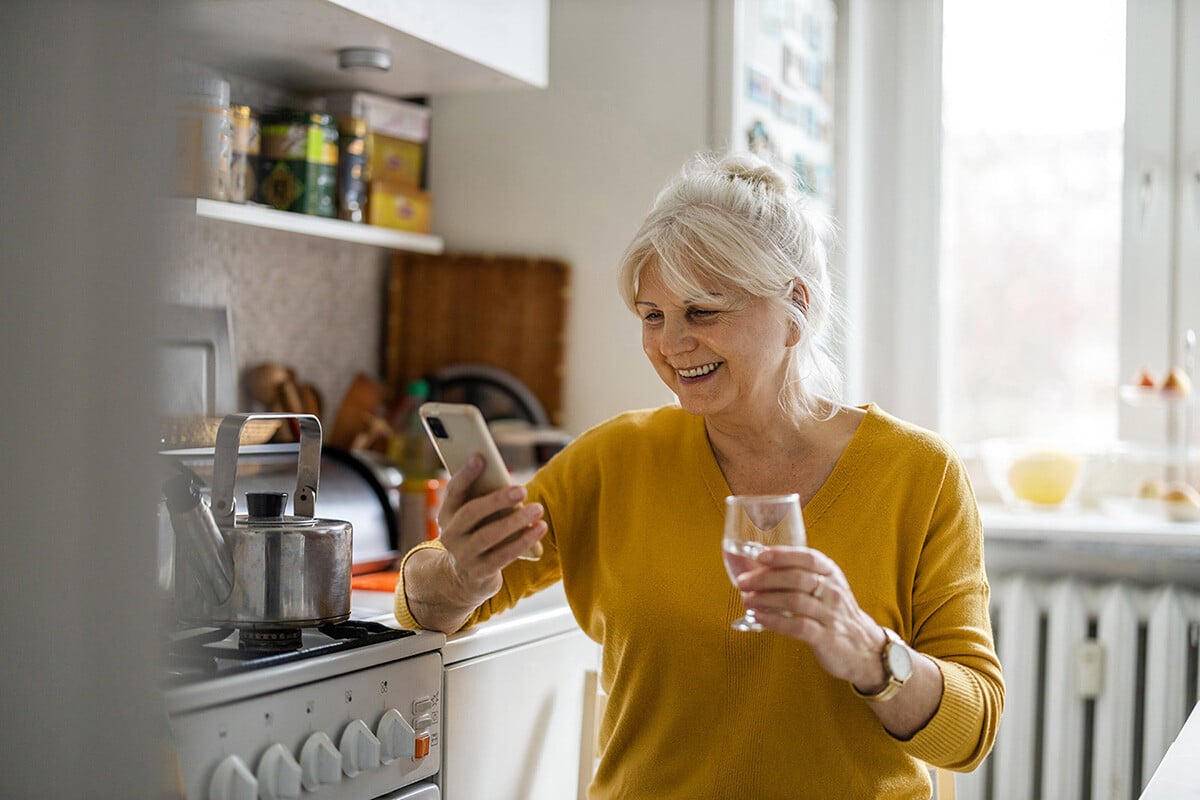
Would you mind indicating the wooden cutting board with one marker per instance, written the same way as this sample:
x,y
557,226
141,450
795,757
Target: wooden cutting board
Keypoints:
x,y
507,312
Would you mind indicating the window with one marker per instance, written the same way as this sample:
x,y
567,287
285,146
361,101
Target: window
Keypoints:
x,y
1032,123
1020,206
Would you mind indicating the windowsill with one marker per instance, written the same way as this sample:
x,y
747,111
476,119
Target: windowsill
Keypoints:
x,y
1085,526
1087,545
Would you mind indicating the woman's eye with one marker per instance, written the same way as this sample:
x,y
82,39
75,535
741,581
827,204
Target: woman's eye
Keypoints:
x,y
652,316
702,313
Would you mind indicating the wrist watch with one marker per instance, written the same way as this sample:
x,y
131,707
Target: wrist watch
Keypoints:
x,y
897,668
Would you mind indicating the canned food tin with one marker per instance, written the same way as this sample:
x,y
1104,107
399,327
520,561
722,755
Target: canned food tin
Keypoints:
x,y
299,162
246,148
352,165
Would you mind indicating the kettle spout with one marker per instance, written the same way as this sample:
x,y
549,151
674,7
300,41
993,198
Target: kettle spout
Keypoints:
x,y
199,539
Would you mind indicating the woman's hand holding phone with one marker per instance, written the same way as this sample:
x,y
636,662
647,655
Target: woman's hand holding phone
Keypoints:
x,y
486,533
459,432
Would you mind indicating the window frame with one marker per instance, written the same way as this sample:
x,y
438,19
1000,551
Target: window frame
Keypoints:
x,y
888,202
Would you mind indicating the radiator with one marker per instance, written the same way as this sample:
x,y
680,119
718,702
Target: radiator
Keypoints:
x,y
1099,680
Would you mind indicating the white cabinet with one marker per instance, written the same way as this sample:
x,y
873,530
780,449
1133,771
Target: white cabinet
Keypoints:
x,y
436,46
514,721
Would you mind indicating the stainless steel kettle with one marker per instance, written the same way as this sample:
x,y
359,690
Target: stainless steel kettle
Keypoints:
x,y
264,569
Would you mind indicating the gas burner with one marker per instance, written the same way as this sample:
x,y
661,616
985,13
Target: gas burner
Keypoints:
x,y
269,640
202,653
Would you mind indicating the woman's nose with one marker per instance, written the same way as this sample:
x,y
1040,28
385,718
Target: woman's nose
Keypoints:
x,y
675,338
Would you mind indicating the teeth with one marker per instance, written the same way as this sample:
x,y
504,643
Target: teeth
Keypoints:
x,y
696,372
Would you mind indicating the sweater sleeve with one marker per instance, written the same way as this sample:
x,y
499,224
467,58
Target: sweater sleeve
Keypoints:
x,y
951,624
400,600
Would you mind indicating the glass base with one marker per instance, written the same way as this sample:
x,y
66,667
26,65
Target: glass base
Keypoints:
x,y
747,623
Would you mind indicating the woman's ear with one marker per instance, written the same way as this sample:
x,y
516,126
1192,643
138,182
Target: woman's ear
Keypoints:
x,y
800,301
800,296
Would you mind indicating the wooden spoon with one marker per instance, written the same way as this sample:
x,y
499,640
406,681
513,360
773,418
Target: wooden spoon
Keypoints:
x,y
263,382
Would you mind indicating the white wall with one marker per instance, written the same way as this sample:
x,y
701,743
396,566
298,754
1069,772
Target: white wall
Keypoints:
x,y
570,171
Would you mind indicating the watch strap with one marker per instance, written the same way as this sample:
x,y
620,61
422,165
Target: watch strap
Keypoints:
x,y
893,684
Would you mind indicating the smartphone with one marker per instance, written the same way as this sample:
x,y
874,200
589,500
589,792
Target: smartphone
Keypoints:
x,y
458,431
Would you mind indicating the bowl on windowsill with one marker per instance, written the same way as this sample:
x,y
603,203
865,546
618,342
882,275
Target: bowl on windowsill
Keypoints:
x,y
1032,474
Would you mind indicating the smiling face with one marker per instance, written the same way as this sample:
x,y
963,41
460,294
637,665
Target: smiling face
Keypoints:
x,y
723,356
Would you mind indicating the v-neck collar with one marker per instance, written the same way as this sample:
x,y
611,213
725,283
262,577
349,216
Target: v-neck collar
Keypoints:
x,y
834,486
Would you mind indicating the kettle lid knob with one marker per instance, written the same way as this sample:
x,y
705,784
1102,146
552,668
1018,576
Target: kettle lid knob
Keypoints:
x,y
265,505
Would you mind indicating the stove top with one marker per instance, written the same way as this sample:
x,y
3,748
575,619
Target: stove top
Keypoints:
x,y
208,666
198,654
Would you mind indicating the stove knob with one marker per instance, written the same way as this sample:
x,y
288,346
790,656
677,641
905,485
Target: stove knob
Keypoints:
x,y
395,735
278,774
360,748
232,780
320,762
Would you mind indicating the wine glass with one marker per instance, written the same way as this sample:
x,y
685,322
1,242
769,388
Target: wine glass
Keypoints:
x,y
752,524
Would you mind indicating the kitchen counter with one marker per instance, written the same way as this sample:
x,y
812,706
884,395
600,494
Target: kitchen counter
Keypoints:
x,y
543,614
537,617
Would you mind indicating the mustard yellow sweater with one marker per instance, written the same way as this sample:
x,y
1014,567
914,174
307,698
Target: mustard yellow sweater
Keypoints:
x,y
698,710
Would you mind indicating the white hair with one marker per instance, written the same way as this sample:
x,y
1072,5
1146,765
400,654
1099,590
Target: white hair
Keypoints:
x,y
736,224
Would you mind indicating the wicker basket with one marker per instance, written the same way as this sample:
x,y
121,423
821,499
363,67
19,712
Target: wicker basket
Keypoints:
x,y
201,431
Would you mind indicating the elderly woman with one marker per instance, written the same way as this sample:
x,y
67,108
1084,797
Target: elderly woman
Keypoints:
x,y
878,657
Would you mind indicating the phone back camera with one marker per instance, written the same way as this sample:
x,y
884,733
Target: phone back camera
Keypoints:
x,y
438,429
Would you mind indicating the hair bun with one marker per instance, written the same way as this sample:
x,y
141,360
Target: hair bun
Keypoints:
x,y
751,168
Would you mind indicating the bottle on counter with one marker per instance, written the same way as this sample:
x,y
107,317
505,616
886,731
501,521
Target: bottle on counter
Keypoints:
x,y
424,479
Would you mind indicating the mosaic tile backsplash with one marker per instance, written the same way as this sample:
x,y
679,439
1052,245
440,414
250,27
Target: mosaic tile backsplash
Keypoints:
x,y
313,304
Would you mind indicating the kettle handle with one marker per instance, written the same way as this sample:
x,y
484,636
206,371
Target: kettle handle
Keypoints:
x,y
229,436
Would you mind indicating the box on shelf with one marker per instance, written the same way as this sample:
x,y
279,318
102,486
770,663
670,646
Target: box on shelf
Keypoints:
x,y
396,136
404,208
393,160
386,115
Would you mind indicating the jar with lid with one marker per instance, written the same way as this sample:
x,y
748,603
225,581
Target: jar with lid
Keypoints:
x,y
352,166
298,165
203,136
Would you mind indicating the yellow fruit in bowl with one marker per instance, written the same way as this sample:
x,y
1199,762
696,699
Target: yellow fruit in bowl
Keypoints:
x,y
1044,477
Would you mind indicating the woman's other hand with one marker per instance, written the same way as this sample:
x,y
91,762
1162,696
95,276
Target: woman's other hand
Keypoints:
x,y
802,593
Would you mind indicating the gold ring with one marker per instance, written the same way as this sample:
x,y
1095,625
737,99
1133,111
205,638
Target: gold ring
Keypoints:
x,y
820,587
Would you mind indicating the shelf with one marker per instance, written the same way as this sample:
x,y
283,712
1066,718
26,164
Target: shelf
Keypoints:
x,y
1145,397
1086,526
436,46
269,449
263,217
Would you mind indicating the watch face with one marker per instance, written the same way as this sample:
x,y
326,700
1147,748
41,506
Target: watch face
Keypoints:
x,y
899,661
